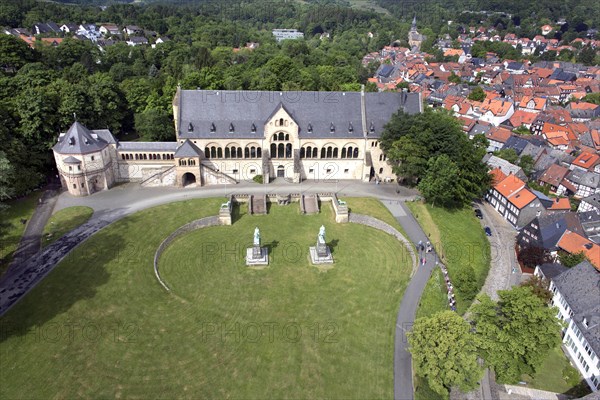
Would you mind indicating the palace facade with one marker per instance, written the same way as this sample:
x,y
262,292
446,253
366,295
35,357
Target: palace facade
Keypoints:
x,y
233,136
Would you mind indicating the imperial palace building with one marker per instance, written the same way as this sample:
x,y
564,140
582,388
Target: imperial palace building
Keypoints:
x,y
233,136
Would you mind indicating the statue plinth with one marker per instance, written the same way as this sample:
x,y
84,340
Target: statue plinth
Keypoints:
x,y
256,255
320,253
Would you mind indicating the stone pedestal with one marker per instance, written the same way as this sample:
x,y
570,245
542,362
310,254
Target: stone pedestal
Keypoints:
x,y
320,254
256,256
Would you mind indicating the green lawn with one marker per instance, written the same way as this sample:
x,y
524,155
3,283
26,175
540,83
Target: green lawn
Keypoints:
x,y
18,209
374,208
101,326
459,240
557,375
64,221
434,298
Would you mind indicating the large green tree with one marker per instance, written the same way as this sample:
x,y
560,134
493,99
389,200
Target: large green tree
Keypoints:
x,y
444,353
515,334
439,186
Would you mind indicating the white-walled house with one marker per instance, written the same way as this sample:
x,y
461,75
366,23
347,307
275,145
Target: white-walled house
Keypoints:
x,y
576,294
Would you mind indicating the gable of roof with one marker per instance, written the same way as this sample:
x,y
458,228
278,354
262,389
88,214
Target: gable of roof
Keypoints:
x,y
574,243
187,149
80,140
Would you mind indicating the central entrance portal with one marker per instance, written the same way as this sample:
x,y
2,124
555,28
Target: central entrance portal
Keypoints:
x,y
280,172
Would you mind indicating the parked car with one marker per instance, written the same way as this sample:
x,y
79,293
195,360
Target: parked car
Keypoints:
x,y
488,231
478,213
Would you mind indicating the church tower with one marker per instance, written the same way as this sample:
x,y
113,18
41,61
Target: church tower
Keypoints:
x,y
415,39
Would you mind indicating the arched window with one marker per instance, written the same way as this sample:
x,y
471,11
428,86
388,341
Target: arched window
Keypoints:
x,y
206,152
329,152
252,152
227,152
335,152
323,152
258,152
219,152
213,152
280,121
123,156
302,152
309,152
239,152
287,136
381,170
247,152
274,138
136,156
355,154
281,136
344,152
281,151
314,152
145,157
288,150
273,150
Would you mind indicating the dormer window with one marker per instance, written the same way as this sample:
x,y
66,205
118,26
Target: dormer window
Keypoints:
x,y
213,128
231,128
372,127
71,141
350,127
309,128
332,128
253,128
190,127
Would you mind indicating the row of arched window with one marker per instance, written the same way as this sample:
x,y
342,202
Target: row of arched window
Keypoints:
x,y
329,152
146,156
281,150
233,152
280,137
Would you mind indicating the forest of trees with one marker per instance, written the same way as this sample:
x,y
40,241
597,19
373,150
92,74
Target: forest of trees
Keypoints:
x,y
129,89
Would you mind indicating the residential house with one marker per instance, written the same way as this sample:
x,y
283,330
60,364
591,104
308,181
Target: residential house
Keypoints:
x,y
574,243
507,168
69,28
283,34
109,29
521,118
47,27
513,201
136,41
591,139
590,221
575,293
586,161
582,111
545,231
496,111
585,183
532,104
553,176
589,203
132,30
497,137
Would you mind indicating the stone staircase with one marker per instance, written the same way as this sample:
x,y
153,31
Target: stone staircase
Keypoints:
x,y
166,177
213,177
257,205
309,204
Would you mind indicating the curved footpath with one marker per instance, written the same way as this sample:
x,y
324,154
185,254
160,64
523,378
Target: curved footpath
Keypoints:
x,y
20,279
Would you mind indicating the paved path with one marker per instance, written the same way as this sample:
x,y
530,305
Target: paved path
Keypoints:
x,y
403,377
31,241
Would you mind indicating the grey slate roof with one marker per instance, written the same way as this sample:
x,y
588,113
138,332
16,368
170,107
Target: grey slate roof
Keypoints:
x,y
80,140
240,110
550,270
590,221
187,149
552,226
147,146
71,160
589,179
580,286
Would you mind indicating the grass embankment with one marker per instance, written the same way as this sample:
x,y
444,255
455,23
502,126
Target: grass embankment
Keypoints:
x,y
19,209
460,242
64,221
100,325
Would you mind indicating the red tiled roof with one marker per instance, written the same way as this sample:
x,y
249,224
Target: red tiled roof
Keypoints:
x,y
586,160
554,175
573,243
560,204
497,176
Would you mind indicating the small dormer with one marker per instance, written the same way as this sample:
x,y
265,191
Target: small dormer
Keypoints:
x,y
71,141
231,128
350,127
332,128
309,128
372,127
190,127
253,128
213,128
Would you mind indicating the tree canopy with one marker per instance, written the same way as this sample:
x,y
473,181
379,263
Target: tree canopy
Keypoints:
x,y
444,352
415,144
